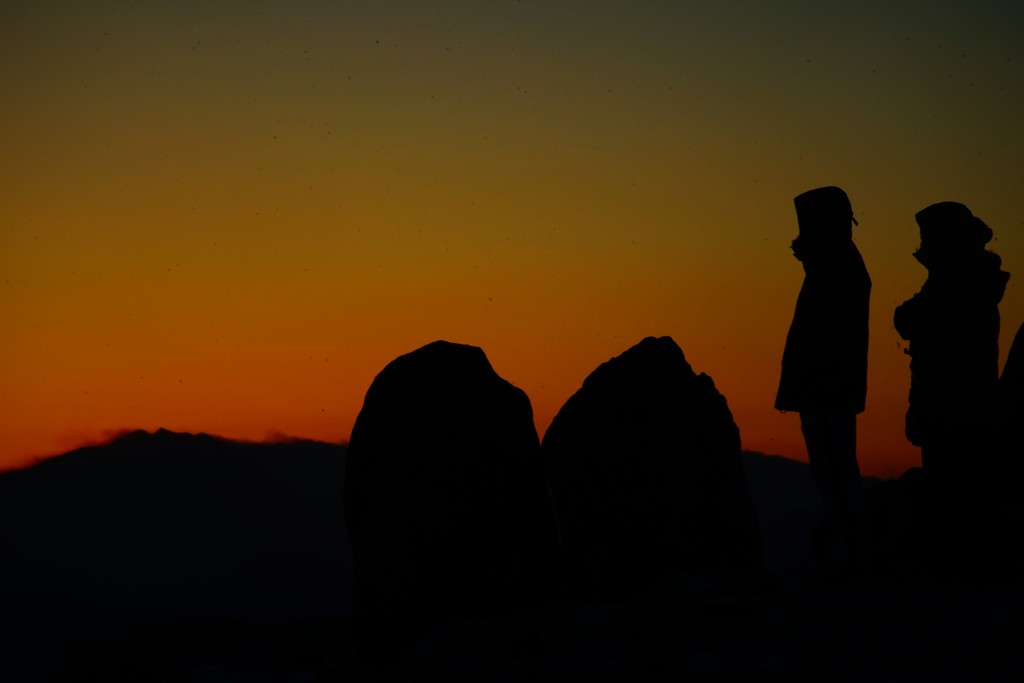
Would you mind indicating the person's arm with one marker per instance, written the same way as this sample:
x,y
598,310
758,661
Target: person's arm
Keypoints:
x,y
907,314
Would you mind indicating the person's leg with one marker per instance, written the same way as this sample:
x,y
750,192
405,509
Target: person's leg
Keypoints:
x,y
815,428
847,482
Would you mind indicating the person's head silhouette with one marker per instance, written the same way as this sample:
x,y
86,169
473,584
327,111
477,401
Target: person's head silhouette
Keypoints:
x,y
824,215
949,231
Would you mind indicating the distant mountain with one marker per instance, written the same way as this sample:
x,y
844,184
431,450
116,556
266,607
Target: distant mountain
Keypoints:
x,y
160,529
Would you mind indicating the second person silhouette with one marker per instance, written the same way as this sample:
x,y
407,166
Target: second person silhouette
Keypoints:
x,y
824,369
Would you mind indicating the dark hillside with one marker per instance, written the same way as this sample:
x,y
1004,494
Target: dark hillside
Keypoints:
x,y
155,530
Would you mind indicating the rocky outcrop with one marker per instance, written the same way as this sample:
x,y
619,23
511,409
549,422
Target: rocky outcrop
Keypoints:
x,y
1011,392
645,474
927,532
445,502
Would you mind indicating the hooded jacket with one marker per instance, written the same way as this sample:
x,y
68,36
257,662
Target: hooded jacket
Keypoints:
x,y
825,361
952,325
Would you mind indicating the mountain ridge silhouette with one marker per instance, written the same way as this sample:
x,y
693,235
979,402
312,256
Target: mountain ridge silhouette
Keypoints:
x,y
162,529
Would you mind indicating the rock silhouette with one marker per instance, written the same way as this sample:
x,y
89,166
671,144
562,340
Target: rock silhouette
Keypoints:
x,y
930,533
1011,394
445,500
645,474
1006,460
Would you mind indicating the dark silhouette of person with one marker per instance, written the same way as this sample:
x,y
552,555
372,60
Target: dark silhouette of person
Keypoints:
x,y
952,325
824,370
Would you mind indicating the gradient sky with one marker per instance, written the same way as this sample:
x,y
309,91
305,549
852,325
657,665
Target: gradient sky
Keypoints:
x,y
229,216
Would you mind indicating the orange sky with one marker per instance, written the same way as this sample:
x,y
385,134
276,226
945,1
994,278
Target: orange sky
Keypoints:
x,y
228,217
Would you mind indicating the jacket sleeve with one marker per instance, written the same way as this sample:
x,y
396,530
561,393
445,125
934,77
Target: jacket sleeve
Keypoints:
x,y
906,316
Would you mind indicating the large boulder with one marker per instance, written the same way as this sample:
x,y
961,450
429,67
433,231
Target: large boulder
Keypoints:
x,y
445,501
644,468
938,533
1011,397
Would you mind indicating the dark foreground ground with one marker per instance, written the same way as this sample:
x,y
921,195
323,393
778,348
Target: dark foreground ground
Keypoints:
x,y
136,563
743,628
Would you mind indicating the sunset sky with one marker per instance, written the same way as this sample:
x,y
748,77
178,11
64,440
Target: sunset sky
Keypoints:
x,y
229,216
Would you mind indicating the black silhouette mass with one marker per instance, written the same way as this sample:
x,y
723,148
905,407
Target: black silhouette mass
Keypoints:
x,y
444,496
824,367
628,540
644,468
952,325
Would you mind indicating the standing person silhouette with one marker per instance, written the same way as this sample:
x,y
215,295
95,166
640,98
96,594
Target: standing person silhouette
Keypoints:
x,y
952,325
824,369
